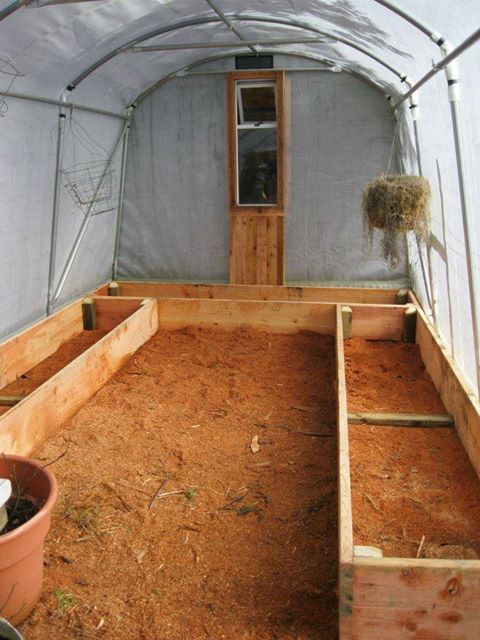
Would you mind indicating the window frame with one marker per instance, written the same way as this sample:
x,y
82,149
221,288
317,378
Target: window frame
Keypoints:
x,y
267,76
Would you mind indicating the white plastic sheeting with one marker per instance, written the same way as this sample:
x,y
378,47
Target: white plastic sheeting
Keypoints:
x,y
53,46
175,223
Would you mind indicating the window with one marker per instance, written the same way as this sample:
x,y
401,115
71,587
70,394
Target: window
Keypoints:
x,y
256,143
254,62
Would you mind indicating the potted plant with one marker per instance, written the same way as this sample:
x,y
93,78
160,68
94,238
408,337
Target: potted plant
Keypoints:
x,y
397,204
34,492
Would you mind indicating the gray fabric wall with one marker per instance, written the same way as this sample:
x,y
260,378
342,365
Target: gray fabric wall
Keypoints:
x,y
27,175
175,223
341,136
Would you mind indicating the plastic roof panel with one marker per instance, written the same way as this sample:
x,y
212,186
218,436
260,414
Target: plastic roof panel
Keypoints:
x,y
52,45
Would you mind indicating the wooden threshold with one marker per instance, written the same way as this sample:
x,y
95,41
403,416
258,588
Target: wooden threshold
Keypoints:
x,y
401,419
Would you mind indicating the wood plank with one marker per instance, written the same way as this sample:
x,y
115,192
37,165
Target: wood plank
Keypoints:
x,y
281,253
272,248
400,598
89,314
347,314
39,416
234,291
401,420
261,252
276,317
250,223
25,350
240,239
10,401
377,322
410,323
113,289
455,391
345,526
111,311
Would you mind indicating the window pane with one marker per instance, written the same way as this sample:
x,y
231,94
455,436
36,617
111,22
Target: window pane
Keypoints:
x,y
257,166
258,104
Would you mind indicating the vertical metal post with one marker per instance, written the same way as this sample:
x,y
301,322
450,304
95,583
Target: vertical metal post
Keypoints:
x,y
467,217
414,106
431,298
86,220
121,191
56,205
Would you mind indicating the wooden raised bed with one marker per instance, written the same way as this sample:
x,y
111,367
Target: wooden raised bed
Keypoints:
x,y
395,598
380,598
129,324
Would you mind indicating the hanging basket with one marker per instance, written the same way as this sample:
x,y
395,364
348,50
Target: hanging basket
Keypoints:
x,y
397,204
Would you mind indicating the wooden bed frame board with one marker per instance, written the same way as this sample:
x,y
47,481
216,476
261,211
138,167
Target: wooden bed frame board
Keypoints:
x,y
345,526
24,351
456,393
41,413
254,292
375,322
111,311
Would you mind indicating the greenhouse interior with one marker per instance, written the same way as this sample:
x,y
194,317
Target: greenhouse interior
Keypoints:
x,y
240,329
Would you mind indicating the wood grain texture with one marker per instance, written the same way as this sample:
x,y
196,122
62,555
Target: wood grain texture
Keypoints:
x,y
255,292
25,350
377,322
42,413
417,599
456,393
275,317
345,527
111,311
256,250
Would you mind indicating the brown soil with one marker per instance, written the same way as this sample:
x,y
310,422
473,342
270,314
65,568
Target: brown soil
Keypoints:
x,y
407,482
67,352
246,547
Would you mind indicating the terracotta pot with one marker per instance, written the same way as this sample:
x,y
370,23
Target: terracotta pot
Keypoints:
x,y
7,631
21,550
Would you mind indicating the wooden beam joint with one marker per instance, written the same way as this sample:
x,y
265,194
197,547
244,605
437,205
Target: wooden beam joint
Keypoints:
x,y
347,316
89,314
410,330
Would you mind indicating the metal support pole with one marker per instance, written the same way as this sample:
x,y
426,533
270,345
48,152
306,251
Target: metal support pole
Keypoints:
x,y
213,5
61,103
86,220
431,297
443,64
467,220
56,204
233,45
121,191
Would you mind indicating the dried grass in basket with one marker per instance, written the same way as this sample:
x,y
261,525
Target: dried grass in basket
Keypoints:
x,y
397,204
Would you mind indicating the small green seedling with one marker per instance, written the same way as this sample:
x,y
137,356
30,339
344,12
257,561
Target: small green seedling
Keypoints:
x,y
65,600
156,591
190,493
